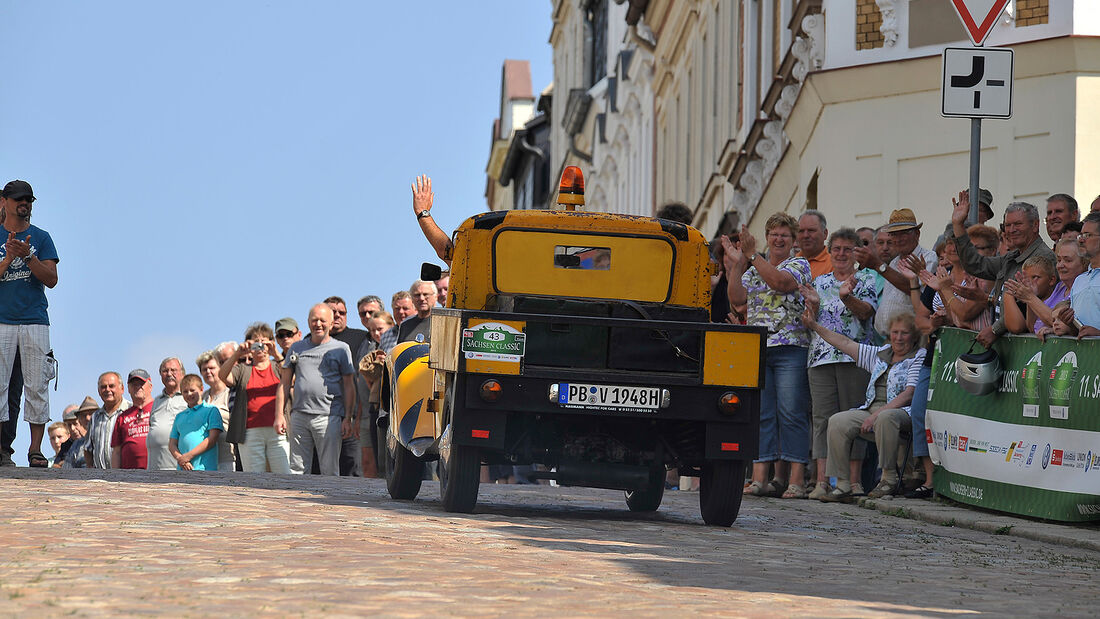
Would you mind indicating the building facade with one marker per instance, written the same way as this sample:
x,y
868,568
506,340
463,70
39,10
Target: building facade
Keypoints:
x,y
742,108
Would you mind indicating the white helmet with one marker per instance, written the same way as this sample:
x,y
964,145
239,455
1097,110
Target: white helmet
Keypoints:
x,y
979,373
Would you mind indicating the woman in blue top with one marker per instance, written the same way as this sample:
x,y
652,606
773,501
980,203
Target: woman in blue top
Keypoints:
x,y
894,369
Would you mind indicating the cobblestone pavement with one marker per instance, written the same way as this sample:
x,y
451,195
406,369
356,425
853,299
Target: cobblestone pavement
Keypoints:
x,y
129,543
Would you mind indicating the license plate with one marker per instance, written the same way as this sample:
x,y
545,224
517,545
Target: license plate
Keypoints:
x,y
608,397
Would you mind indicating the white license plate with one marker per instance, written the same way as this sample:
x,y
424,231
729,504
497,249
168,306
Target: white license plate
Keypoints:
x,y
608,397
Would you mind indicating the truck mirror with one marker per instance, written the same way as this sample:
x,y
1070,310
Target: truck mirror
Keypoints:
x,y
430,272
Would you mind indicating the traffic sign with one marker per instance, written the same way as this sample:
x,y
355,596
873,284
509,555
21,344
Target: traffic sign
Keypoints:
x,y
978,16
977,82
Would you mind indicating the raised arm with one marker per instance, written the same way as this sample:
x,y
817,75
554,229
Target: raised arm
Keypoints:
x,y
841,342
423,197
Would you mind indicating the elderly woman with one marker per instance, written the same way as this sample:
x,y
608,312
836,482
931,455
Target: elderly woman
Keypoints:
x,y
217,395
769,289
254,420
885,412
847,300
1070,261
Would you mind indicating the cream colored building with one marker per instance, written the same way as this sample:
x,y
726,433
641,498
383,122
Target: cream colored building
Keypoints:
x,y
741,108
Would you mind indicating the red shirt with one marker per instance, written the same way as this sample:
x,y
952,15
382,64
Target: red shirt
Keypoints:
x,y
261,389
131,428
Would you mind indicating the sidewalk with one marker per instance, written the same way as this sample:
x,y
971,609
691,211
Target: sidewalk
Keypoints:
x,y
951,514
948,513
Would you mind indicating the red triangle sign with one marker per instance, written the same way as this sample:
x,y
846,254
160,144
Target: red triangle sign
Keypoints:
x,y
979,16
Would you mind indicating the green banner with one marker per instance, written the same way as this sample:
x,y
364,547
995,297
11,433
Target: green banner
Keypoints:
x,y
1033,446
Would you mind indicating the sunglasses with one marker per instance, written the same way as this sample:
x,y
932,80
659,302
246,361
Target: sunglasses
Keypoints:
x,y
365,314
340,312
285,334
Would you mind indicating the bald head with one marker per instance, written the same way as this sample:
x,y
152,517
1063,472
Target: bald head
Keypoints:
x,y
320,322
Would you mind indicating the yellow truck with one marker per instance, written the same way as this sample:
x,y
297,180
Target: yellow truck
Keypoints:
x,y
579,342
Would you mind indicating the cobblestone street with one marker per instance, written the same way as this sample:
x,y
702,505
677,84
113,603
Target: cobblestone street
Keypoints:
x,y
111,542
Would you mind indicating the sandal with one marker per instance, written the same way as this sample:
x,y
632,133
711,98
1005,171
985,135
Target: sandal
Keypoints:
x,y
755,488
837,496
923,492
774,489
36,460
882,490
821,489
794,491
857,489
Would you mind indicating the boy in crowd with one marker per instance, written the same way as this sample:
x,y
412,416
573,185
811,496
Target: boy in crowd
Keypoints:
x,y
194,438
60,441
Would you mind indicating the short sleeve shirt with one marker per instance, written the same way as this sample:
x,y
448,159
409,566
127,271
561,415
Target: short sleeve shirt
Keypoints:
x,y
131,429
1084,297
191,427
836,317
780,313
319,370
165,409
22,295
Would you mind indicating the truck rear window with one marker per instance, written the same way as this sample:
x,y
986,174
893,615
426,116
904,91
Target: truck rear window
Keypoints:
x,y
637,268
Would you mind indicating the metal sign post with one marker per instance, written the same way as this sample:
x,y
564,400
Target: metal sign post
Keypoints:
x,y
977,82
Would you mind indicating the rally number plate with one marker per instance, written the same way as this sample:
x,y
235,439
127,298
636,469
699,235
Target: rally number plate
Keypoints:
x,y
608,397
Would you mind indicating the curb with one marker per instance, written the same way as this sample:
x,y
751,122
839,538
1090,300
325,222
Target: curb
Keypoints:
x,y
947,513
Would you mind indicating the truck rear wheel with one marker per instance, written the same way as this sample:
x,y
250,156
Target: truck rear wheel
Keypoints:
x,y
649,498
721,485
459,477
404,471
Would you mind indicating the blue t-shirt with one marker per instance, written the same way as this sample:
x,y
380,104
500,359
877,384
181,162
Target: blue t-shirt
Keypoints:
x,y
191,427
22,295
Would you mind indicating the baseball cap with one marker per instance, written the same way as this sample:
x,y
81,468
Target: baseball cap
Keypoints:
x,y
138,373
18,189
286,324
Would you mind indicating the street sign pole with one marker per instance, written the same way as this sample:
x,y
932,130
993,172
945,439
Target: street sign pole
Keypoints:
x,y
975,168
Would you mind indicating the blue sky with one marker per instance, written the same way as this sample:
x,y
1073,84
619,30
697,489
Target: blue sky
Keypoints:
x,y
204,165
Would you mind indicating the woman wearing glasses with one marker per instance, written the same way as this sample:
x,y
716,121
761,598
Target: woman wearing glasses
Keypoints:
x,y
769,287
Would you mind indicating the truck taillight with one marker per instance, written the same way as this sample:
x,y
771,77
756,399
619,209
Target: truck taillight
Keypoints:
x,y
729,403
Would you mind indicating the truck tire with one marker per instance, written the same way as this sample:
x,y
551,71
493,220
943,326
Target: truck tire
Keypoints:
x,y
404,471
648,499
459,477
721,485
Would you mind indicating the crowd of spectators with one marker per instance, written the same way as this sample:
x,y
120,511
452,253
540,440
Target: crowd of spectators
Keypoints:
x,y
279,401
852,319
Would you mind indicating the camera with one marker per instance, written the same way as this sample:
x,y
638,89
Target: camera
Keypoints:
x,y
256,346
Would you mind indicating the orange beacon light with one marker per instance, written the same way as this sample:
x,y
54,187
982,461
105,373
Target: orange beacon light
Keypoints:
x,y
571,188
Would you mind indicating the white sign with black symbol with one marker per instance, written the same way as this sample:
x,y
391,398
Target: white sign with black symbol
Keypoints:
x,y
977,82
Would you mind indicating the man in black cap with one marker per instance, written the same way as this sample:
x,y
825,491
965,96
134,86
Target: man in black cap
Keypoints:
x,y
28,265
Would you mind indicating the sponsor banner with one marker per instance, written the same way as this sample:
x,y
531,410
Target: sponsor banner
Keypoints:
x,y
1034,443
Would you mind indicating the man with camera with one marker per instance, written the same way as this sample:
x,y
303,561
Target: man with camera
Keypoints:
x,y
28,265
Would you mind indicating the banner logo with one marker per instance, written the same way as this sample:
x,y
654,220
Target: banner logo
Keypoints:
x,y
1061,384
1046,456
493,341
1030,377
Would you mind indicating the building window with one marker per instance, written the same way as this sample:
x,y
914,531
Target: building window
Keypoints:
x,y
1032,12
595,21
868,22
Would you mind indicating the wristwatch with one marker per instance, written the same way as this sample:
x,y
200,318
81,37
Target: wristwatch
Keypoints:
x,y
424,214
